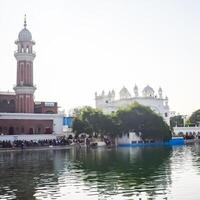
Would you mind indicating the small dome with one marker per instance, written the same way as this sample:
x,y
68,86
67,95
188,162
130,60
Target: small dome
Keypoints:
x,y
148,91
24,35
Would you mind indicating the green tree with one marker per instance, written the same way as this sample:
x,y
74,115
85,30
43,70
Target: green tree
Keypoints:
x,y
176,121
194,119
135,117
79,126
90,120
141,119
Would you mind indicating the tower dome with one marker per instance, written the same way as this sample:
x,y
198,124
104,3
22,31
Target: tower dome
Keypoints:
x,y
25,35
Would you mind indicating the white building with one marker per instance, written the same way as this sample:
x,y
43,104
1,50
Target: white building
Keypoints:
x,y
186,130
156,102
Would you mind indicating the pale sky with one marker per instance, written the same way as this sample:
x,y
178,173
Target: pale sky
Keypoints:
x,y
83,46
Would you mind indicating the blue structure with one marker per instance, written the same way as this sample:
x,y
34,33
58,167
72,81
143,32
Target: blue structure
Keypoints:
x,y
176,141
68,121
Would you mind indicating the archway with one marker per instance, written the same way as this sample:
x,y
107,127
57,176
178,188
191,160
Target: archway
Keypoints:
x,y
11,131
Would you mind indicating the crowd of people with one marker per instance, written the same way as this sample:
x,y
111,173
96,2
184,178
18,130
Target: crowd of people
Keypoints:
x,y
83,140
34,143
190,135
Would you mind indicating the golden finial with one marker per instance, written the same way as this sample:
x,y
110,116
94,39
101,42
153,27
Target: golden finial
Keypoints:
x,y
25,21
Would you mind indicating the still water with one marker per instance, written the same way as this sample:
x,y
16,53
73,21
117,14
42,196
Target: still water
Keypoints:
x,y
121,173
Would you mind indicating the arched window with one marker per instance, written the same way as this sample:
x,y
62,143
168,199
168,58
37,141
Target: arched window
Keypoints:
x,y
22,129
11,130
5,129
31,131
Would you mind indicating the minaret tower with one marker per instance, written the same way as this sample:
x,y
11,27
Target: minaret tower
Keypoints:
x,y
24,55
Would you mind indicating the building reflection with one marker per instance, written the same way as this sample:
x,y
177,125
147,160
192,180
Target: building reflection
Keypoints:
x,y
22,173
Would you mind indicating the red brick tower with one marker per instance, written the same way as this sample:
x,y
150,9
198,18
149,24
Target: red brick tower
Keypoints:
x,y
24,88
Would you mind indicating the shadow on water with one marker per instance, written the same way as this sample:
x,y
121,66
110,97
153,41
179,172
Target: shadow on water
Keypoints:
x,y
130,171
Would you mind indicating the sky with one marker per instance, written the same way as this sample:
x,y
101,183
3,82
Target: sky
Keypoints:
x,y
83,47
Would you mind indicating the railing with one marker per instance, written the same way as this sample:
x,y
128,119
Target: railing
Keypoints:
x,y
17,52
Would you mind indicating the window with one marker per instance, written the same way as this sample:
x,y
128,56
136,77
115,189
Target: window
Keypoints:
x,y
166,115
49,104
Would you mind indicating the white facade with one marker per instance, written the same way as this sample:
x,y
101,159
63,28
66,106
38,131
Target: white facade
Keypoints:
x,y
108,103
186,130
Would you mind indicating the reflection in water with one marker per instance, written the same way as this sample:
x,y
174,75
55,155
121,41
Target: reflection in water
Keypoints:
x,y
22,172
128,171
121,173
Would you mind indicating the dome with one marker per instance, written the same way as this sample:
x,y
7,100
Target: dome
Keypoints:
x,y
148,91
124,93
24,35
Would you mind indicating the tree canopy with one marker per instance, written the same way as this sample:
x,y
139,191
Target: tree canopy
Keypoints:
x,y
177,121
90,120
194,118
135,117
142,119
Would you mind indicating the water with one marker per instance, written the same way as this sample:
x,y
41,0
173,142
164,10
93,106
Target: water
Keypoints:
x,y
103,174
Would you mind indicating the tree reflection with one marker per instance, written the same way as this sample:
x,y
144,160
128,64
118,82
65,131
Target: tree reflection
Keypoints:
x,y
126,170
121,171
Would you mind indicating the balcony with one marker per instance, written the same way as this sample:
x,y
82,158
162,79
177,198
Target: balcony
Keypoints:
x,y
24,56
